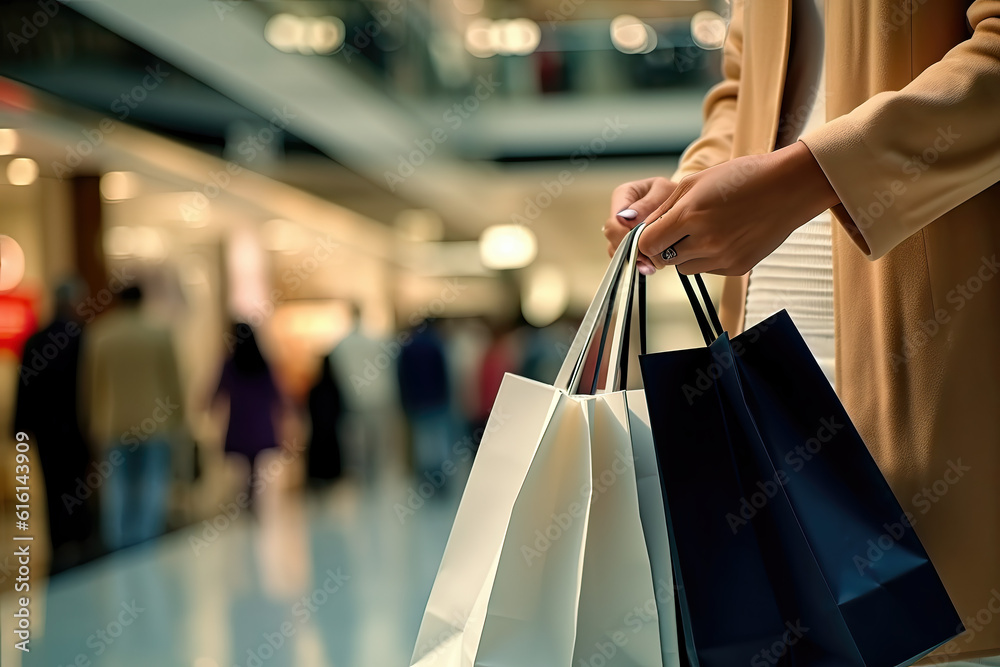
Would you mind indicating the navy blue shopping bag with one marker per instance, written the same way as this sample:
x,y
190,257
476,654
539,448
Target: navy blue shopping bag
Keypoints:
x,y
789,547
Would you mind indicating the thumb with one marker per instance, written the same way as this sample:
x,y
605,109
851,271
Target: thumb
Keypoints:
x,y
643,207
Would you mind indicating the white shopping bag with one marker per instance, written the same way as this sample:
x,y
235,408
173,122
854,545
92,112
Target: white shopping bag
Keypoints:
x,y
549,561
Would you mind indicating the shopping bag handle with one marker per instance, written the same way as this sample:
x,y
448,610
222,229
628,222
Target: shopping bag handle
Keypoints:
x,y
630,283
618,355
572,366
710,325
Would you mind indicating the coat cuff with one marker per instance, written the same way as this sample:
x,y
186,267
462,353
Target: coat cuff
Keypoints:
x,y
858,176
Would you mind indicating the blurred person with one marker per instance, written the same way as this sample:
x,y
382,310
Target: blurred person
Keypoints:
x,y
425,394
324,461
47,409
870,214
502,356
465,343
545,349
365,369
133,409
248,385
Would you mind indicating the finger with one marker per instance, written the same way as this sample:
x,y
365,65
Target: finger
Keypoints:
x,y
669,202
644,264
700,265
615,231
658,193
626,194
664,232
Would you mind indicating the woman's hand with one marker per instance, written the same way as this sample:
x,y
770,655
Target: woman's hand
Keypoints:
x,y
727,218
631,203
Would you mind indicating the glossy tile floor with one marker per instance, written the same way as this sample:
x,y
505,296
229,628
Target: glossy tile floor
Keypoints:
x,y
331,580
337,579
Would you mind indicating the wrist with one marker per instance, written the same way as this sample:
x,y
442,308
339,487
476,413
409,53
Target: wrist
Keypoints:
x,y
810,177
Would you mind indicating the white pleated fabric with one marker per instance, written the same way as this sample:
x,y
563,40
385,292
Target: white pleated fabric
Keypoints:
x,y
798,276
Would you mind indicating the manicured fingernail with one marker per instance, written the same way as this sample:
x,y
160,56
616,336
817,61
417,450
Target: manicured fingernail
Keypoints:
x,y
646,270
628,214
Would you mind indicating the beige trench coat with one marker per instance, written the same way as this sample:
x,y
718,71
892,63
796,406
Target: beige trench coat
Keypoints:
x,y
912,147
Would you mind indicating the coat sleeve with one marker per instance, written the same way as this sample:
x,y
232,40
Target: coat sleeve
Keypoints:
x,y
715,145
904,158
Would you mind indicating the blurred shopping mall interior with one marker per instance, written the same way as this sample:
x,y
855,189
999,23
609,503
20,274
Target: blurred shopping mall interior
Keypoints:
x,y
262,266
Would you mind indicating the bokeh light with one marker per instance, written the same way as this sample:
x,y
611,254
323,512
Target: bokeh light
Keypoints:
x,y
507,247
118,185
708,30
8,141
11,263
22,171
515,37
544,295
631,35
305,35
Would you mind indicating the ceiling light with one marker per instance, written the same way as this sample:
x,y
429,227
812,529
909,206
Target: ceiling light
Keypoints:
x,y
516,37
119,241
630,35
147,243
544,295
507,247
118,185
325,35
11,263
8,141
479,40
284,32
708,30
22,171
305,35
